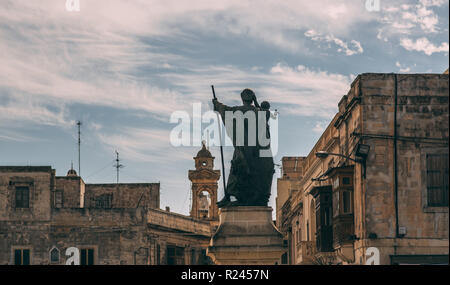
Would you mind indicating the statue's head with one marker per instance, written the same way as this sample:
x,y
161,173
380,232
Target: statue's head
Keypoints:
x,y
247,96
265,105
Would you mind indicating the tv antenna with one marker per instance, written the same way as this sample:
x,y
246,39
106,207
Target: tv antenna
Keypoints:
x,y
118,165
79,147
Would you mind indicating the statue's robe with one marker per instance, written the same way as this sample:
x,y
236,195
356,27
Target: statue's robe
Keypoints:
x,y
250,177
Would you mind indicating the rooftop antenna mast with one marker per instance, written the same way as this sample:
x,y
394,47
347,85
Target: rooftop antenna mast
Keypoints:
x,y
79,147
118,165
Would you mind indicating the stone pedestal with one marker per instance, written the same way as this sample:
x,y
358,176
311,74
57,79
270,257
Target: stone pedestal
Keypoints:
x,y
246,236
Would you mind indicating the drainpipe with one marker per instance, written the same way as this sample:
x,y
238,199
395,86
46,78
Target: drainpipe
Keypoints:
x,y
395,156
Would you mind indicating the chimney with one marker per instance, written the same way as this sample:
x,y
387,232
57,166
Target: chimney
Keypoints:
x,y
167,209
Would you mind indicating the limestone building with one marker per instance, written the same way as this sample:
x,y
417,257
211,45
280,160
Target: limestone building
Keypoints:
x,y
376,182
43,215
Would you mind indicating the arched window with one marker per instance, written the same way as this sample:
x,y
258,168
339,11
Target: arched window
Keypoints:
x,y
204,200
54,255
307,230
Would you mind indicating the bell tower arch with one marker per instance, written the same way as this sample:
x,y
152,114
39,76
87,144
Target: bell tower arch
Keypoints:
x,y
204,186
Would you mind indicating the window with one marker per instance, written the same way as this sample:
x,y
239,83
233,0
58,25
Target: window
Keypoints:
x,y
104,201
58,199
21,257
22,197
326,218
346,181
87,256
54,255
203,258
192,256
284,258
175,255
204,203
158,254
346,202
307,231
437,180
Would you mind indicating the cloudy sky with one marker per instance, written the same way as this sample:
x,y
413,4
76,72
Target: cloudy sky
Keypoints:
x,y
123,67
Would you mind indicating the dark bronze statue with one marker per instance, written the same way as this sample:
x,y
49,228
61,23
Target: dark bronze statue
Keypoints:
x,y
250,179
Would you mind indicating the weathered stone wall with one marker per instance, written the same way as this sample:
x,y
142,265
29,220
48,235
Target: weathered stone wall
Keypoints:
x,y
422,113
71,188
115,234
32,235
125,195
123,234
284,187
173,229
118,236
292,172
292,167
178,222
39,180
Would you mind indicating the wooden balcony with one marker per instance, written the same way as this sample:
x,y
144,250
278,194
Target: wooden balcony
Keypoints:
x,y
343,229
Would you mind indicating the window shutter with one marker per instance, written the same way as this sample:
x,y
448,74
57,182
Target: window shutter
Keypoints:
x,y
437,180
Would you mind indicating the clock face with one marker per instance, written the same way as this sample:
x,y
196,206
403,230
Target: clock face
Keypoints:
x,y
204,163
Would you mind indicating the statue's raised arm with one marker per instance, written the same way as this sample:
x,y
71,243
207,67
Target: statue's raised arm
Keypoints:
x,y
221,108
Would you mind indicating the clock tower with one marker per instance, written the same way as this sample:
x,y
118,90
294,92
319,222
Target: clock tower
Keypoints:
x,y
204,186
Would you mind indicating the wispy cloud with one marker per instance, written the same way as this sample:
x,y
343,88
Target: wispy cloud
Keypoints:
x,y
144,144
416,18
354,47
320,126
423,45
8,135
20,108
294,90
402,68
